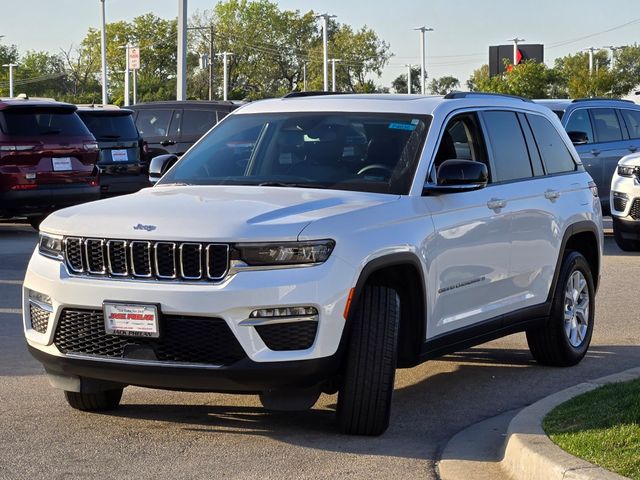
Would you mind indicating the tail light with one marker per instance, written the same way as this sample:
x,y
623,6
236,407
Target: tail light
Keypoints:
x,y
594,189
13,149
29,186
91,146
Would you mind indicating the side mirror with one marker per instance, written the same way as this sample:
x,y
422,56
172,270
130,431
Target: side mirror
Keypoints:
x,y
159,165
459,176
578,138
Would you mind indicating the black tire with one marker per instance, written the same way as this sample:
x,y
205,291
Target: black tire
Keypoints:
x,y
549,344
364,400
624,243
94,402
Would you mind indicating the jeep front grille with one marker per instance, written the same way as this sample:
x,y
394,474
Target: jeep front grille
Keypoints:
x,y
147,260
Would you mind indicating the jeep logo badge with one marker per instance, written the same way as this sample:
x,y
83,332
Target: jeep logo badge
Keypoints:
x,y
147,228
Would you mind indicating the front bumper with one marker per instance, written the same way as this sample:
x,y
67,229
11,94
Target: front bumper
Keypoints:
x,y
45,199
325,287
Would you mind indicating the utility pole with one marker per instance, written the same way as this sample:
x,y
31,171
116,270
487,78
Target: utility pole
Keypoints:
x,y
408,65
325,40
210,62
613,53
423,71
304,76
516,41
10,65
591,52
225,77
103,54
333,73
181,80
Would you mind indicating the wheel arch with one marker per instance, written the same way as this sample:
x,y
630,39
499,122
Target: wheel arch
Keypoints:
x,y
402,272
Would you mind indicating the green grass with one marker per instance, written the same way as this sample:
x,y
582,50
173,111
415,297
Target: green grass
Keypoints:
x,y
602,427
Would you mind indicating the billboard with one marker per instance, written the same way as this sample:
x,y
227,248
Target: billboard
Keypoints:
x,y
498,53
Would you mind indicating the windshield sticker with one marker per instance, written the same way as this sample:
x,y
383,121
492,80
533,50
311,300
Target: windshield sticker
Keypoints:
x,y
402,126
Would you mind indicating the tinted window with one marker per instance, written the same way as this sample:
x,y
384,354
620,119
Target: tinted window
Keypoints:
x,y
198,122
510,156
109,127
632,119
606,124
176,122
579,122
153,122
345,151
554,152
35,122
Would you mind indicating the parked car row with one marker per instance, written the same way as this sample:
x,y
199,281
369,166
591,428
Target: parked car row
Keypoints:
x,y
54,155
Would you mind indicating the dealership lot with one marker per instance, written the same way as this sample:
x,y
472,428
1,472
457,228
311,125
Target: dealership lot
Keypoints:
x,y
182,435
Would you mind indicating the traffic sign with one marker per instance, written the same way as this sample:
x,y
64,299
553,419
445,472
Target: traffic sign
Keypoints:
x,y
134,58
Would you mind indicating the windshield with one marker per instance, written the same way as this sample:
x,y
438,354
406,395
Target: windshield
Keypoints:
x,y
347,151
110,127
27,122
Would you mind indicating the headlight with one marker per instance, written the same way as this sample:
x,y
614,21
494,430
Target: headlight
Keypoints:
x,y
625,171
50,245
286,253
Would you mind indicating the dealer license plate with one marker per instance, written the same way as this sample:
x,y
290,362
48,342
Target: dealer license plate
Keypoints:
x,y
62,164
119,156
131,320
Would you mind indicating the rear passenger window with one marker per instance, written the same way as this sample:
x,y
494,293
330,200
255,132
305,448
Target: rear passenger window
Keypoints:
x,y
153,123
632,119
198,122
510,156
606,124
553,150
579,122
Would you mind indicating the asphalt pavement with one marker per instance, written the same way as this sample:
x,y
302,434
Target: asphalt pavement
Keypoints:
x,y
166,435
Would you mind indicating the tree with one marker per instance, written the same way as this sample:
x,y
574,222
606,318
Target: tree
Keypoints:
x,y
399,85
41,74
443,85
8,54
528,79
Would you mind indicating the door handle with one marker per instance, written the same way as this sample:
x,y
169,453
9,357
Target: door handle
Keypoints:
x,y
496,203
551,195
633,148
595,152
166,143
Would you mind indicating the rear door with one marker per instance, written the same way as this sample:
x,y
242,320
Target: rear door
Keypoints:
x,y
159,127
579,120
631,119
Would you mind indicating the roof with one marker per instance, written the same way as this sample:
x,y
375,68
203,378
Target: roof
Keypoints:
x,y
181,103
384,103
105,110
563,104
9,103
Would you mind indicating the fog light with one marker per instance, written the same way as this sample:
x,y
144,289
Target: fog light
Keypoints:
x,y
40,309
41,298
311,313
620,195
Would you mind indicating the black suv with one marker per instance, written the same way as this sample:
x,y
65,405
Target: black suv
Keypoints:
x,y
172,127
603,131
122,158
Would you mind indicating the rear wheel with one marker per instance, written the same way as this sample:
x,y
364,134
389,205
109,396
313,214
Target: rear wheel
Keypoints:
x,y
364,401
94,402
624,243
564,339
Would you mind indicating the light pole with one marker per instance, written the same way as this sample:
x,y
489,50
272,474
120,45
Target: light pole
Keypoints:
x,y
10,65
225,76
333,73
181,84
423,71
515,41
408,65
126,74
325,55
103,55
304,76
613,53
591,51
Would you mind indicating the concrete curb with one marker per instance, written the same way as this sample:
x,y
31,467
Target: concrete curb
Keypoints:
x,y
530,454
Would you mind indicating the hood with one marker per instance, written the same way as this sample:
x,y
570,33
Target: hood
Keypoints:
x,y
209,213
632,160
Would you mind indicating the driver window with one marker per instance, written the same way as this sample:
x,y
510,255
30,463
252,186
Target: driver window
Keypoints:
x,y
461,140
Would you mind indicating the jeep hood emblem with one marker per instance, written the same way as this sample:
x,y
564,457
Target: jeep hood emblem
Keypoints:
x,y
147,228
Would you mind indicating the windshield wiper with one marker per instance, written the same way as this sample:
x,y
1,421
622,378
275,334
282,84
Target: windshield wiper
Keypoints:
x,y
286,184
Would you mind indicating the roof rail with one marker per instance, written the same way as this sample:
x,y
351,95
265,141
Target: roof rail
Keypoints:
x,y
457,95
595,99
311,94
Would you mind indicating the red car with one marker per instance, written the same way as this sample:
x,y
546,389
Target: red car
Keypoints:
x,y
47,159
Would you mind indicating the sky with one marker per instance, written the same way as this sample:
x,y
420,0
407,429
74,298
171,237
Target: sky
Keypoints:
x,y
463,29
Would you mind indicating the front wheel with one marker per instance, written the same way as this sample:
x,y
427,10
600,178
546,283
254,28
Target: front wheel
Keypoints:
x,y
364,401
94,402
564,339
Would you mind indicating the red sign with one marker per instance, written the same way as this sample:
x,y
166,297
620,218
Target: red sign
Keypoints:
x,y
134,58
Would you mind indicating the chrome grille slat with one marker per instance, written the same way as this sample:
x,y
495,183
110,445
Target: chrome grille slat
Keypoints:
x,y
147,260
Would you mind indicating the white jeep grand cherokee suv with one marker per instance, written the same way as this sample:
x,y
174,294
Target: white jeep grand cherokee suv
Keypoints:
x,y
625,203
316,243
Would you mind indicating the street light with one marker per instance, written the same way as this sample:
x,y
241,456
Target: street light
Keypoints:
x,y
103,54
325,56
333,73
423,72
225,76
408,65
10,65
